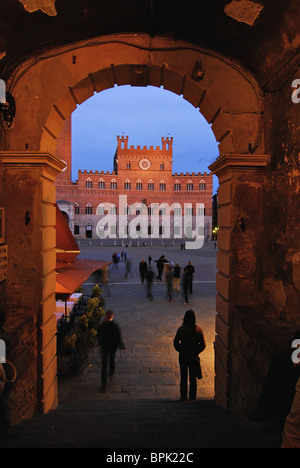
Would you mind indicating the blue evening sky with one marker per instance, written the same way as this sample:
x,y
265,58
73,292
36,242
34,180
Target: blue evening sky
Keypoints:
x,y
145,115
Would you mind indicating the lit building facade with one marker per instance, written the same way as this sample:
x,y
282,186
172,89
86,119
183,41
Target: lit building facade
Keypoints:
x,y
140,198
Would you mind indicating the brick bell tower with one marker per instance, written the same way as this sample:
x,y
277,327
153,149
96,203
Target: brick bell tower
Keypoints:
x,y
64,152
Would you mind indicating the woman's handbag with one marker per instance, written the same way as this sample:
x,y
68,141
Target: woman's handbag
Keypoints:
x,y
3,378
197,368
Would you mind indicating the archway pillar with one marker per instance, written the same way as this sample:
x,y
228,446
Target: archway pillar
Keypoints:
x,y
240,221
30,198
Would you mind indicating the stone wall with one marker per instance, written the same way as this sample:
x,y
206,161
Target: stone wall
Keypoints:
x,y
281,283
22,352
265,331
259,343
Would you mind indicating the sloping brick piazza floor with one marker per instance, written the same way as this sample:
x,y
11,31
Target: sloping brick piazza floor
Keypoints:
x,y
141,407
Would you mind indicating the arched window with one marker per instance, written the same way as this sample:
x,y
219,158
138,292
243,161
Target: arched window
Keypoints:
x,y
76,209
162,210
189,210
88,183
151,185
201,211
113,210
177,186
177,210
139,210
190,186
150,210
88,209
162,186
139,185
127,185
101,184
128,165
162,166
113,184
202,185
126,210
100,209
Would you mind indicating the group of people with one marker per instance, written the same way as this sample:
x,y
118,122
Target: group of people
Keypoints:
x,y
173,277
189,342
176,279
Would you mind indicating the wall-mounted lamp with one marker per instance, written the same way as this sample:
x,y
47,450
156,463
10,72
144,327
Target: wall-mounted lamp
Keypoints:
x,y
242,225
198,72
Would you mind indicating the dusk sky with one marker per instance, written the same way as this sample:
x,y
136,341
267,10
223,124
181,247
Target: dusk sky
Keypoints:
x,y
145,115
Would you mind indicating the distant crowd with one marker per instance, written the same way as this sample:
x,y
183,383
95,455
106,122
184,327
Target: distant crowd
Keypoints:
x,y
175,277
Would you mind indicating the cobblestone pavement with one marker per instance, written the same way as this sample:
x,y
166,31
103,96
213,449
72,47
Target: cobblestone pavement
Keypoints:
x,y
141,407
149,367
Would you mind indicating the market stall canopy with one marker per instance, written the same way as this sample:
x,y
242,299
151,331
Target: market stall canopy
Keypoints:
x,y
66,246
71,272
73,275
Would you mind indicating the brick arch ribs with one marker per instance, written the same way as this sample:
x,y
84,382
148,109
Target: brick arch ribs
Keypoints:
x,y
50,87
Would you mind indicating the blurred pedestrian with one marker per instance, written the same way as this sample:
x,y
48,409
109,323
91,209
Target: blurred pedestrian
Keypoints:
x,y
143,268
185,287
160,266
115,260
109,339
190,270
189,342
176,277
169,280
128,268
149,280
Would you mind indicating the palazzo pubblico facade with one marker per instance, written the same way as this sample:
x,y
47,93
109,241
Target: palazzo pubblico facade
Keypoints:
x,y
140,199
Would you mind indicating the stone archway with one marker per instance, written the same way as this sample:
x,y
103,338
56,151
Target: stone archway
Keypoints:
x,y
48,89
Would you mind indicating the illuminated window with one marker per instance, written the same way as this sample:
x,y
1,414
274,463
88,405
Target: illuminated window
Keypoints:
x,y
150,185
190,186
127,185
88,183
113,209
201,211
100,210
177,210
150,210
88,209
139,185
113,185
189,210
76,208
101,184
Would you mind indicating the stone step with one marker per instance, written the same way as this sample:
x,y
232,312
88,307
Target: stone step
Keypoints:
x,y
137,424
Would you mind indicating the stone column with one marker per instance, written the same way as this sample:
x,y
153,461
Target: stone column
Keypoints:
x,y
240,219
30,199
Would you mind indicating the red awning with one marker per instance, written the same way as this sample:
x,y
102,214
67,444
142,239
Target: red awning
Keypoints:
x,y
71,276
66,246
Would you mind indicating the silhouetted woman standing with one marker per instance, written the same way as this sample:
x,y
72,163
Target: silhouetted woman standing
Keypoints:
x,y
189,342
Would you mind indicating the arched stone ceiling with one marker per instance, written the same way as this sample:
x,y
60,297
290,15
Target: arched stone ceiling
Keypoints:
x,y
261,35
